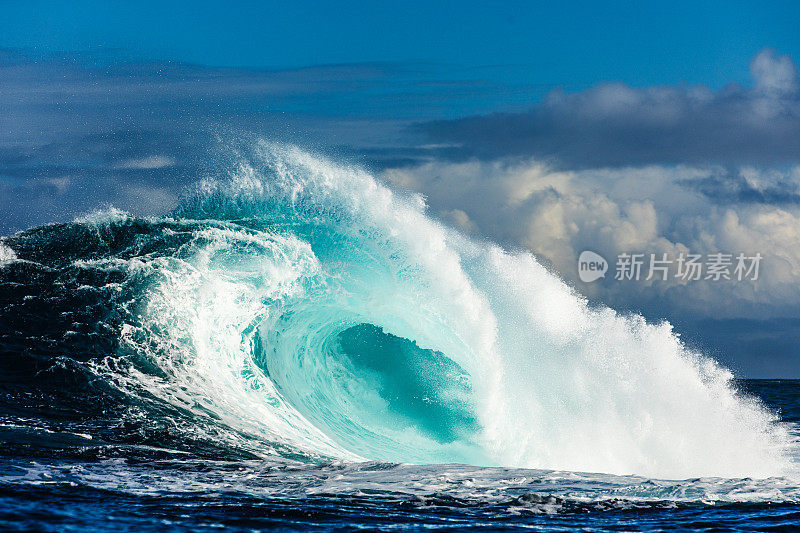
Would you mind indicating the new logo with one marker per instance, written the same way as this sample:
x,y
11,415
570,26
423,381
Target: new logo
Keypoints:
x,y
591,266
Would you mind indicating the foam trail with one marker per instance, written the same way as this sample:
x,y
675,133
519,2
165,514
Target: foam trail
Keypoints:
x,y
321,312
6,254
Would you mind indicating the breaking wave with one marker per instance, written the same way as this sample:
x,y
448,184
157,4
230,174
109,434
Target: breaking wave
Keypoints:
x,y
301,308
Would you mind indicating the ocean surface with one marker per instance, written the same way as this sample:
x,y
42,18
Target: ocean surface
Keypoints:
x,y
298,347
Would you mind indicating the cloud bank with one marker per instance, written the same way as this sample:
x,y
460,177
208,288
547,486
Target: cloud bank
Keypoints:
x,y
618,125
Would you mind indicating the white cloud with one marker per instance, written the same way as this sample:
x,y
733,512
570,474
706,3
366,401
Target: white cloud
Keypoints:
x,y
652,209
614,124
147,163
774,74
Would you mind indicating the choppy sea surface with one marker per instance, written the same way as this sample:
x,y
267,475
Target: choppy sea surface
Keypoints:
x,y
298,347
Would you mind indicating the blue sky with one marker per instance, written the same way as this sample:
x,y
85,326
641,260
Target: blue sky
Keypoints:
x,y
553,127
640,43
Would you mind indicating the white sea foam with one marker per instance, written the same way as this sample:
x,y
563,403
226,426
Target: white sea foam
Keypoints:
x,y
7,255
247,316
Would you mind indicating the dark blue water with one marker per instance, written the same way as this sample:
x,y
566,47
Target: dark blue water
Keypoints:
x,y
52,482
66,508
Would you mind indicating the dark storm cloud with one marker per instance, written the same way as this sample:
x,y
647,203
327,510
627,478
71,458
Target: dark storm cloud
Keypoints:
x,y
752,347
618,125
78,133
736,188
